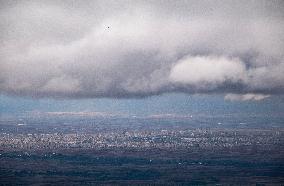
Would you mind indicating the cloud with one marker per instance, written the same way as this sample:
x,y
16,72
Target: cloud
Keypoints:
x,y
169,116
245,97
79,114
136,49
208,72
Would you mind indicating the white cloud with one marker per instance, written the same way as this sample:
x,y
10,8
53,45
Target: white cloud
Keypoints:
x,y
207,72
245,97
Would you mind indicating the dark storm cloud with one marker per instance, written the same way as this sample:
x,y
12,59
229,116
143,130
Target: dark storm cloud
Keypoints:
x,y
141,48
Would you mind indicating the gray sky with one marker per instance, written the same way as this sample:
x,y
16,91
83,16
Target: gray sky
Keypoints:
x,y
88,49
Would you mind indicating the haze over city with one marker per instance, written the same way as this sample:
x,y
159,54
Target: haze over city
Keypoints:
x,y
141,92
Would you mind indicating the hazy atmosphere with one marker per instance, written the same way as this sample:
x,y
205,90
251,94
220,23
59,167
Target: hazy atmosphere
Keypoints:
x,y
142,92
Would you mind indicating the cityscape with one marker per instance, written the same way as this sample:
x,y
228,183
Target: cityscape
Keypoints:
x,y
163,139
99,149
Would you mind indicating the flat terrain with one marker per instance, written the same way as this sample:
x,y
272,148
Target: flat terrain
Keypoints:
x,y
42,152
153,166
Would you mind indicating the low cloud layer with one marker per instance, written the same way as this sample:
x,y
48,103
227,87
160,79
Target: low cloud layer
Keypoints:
x,y
141,48
245,97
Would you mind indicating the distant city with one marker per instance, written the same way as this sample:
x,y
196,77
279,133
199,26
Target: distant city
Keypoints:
x,y
204,139
102,149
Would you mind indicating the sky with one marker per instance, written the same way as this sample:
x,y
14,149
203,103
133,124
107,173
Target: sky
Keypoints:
x,y
174,104
133,55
